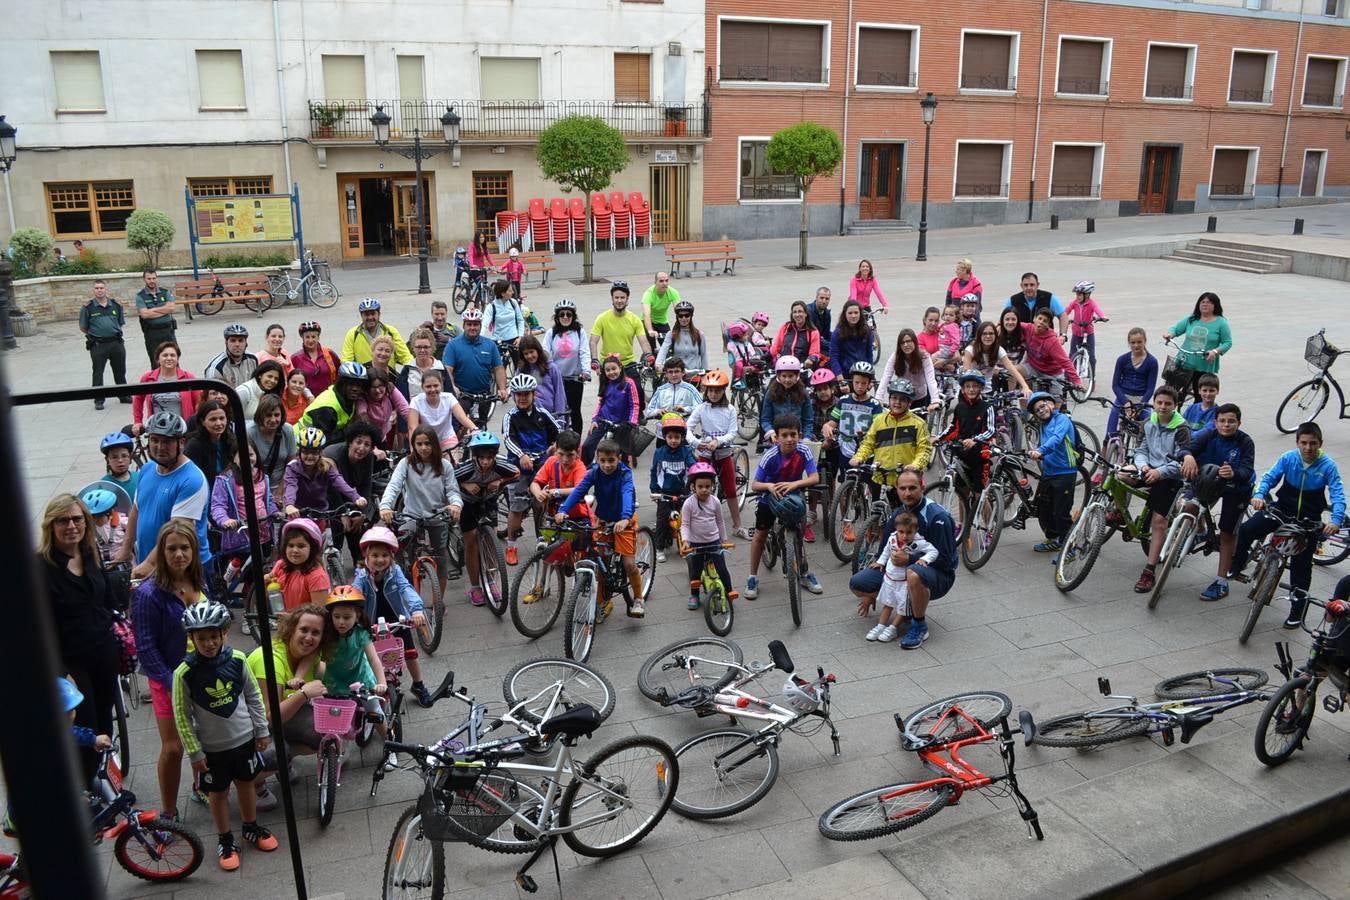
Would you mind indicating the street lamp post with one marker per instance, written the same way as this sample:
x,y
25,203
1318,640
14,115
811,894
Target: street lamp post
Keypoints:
x,y
929,106
450,126
8,152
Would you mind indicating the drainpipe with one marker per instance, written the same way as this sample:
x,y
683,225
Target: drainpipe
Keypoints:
x,y
848,70
281,92
1289,113
1040,93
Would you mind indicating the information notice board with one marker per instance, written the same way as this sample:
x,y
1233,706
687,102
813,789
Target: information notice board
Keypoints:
x,y
231,220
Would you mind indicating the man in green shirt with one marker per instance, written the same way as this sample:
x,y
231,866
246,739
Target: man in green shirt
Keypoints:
x,y
614,332
656,304
155,306
102,321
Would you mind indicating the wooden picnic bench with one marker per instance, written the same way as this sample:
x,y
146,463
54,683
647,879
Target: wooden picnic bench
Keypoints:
x,y
208,295
695,252
537,262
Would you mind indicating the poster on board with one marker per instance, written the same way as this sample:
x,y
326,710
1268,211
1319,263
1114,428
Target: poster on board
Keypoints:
x,y
230,220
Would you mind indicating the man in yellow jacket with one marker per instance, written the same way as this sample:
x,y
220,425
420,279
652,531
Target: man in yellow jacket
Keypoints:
x,y
356,346
897,439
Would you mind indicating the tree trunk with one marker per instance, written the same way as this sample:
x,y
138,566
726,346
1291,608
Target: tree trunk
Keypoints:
x,y
588,244
806,219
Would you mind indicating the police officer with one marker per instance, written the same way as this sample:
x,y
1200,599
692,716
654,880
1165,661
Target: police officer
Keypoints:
x,y
102,321
155,307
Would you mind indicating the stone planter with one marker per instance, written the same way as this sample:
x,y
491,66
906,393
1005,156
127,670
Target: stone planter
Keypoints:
x,y
23,325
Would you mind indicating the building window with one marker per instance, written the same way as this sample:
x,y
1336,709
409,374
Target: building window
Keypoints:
x,y
1075,171
79,81
982,170
220,79
1171,72
230,187
633,77
780,52
1084,64
1253,77
344,77
888,57
90,208
1234,173
757,181
1324,82
988,61
509,78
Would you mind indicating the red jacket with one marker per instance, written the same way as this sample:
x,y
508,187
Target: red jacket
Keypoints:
x,y
1046,354
790,341
140,405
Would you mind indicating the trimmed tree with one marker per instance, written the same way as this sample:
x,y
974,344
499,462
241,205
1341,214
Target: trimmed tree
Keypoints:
x,y
806,151
582,153
32,248
149,231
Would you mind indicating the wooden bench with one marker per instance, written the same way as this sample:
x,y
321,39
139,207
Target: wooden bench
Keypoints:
x,y
204,294
695,252
537,262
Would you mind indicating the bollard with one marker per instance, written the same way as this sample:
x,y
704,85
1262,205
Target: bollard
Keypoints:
x,y
1054,223
1091,226
1298,226
1212,225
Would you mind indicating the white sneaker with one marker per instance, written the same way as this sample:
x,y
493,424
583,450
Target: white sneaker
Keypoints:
x,y
391,763
743,533
660,556
266,799
888,634
875,632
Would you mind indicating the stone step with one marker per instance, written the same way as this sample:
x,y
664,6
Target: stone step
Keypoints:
x,y
1218,255
1245,251
1218,263
879,226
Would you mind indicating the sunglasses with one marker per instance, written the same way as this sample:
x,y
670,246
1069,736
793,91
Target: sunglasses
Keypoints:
x,y
684,315
566,314
63,521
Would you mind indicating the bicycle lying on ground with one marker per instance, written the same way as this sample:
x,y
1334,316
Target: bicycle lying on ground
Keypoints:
x,y
1306,401
938,732
1285,721
728,770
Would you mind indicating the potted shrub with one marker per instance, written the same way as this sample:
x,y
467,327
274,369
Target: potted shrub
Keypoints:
x,y
325,116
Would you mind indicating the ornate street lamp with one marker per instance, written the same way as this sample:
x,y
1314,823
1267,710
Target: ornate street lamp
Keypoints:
x,y
928,105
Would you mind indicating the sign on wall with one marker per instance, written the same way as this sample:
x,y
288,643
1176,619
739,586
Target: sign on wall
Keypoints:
x,y
232,220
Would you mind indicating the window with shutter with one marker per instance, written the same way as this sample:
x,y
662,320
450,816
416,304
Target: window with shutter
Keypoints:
x,y
986,62
411,78
1321,81
1248,81
1167,68
979,170
1229,178
884,57
1080,67
757,180
509,78
785,52
220,79
633,77
344,77
1074,168
79,81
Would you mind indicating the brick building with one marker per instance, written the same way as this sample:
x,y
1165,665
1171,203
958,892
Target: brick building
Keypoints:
x,y
1061,106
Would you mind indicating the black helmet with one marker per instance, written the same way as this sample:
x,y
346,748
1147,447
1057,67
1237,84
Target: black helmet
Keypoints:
x,y
1209,486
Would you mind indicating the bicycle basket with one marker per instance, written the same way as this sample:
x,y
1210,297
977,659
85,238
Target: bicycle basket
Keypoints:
x,y
633,440
482,805
321,270
390,652
333,716
1174,374
1320,352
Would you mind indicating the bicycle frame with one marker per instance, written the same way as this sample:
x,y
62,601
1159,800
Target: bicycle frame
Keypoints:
x,y
1167,715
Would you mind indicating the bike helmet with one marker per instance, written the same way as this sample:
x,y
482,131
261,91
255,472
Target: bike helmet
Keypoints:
x,y
863,368
619,286
684,306
309,439
206,614
801,696
715,378
700,468
461,251
484,440
114,440
565,304
166,424
513,253
1208,486
673,422
236,330
70,695
971,375
352,371
760,317
1084,287
370,304
737,330
788,364
1037,398
472,314
121,499
790,510
377,535
346,593
971,298
99,501
822,376
523,384
307,526
310,326
901,386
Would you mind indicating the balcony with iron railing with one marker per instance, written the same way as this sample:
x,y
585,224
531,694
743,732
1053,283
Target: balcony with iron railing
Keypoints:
x,y
733,72
1236,189
1082,87
988,82
349,120
980,190
1249,95
1168,91
1323,99
1075,191
877,78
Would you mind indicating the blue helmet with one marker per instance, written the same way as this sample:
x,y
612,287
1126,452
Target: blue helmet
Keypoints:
x,y
70,694
370,304
1037,398
790,510
115,439
482,439
99,501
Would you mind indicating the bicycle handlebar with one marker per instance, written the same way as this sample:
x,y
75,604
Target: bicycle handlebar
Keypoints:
x,y
346,509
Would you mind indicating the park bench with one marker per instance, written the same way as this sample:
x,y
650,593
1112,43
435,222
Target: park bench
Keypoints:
x,y
695,252
209,295
537,262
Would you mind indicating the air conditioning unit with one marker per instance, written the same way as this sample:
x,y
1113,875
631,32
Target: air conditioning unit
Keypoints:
x,y
675,48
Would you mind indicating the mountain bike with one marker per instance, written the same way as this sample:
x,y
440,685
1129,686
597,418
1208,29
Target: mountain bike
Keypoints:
x,y
474,291
1288,540
952,491
492,570
848,511
1106,511
1082,364
1190,529
1334,549
867,545
1306,401
728,770
418,560
747,394
219,294
315,285
785,542
937,733
1186,704
1119,446
594,581
1007,501
1285,721
540,586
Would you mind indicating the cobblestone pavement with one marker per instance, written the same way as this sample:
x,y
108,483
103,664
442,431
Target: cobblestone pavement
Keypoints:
x,y
1004,627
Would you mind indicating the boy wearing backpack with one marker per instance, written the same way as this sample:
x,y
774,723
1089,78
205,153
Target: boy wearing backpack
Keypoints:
x,y
1058,453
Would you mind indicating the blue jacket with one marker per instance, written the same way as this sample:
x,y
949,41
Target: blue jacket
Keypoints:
x,y
670,469
1199,418
1209,448
473,363
1058,456
844,352
397,590
1304,488
614,494
528,433
768,411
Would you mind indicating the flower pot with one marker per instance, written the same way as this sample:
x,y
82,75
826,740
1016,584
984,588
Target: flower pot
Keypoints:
x,y
22,324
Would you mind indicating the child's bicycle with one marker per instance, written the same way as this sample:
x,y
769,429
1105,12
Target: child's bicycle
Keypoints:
x,y
594,581
718,610
785,542
1106,511
729,770
540,586
418,561
1285,721
1082,364
150,846
938,733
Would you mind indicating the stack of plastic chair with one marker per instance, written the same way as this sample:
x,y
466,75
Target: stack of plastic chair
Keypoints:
x,y
576,211
539,228
508,228
604,220
642,217
562,223
523,227
623,219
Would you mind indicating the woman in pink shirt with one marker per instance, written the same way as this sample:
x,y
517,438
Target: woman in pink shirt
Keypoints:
x,y
863,285
479,257
964,283
182,402
928,337
276,338
317,363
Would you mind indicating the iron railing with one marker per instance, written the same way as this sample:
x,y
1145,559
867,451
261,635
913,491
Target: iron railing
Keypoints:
x,y
1249,95
968,190
988,82
1318,98
893,78
1168,91
347,120
1071,191
1237,189
1083,87
732,71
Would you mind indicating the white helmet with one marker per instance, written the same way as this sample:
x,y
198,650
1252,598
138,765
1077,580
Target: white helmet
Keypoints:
x,y
801,695
523,384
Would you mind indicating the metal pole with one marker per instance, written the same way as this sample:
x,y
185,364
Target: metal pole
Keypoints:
x,y
922,255
7,341
423,276
9,202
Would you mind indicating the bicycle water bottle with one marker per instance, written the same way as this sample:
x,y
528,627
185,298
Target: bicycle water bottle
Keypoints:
x,y
276,602
232,572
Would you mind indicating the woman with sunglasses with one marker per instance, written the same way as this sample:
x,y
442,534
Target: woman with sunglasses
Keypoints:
x,y
684,341
569,352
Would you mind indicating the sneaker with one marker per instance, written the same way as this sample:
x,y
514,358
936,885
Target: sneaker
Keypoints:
x,y
419,690
752,587
1047,546
477,597
267,801
1297,606
1215,591
391,763
743,533
917,634
259,837
875,633
198,796
1069,556
533,595
660,556
809,534
812,583
1145,582
512,556
607,609
693,603
227,854
637,610
887,634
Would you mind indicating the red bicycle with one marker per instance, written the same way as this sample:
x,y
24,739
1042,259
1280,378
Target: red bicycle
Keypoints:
x,y
937,733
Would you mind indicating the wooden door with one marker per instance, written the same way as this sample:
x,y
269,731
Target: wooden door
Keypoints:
x,y
349,215
1157,180
879,178
669,203
405,219
491,195
1311,185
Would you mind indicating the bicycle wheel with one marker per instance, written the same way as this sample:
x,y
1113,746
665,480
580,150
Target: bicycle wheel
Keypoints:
x,y
122,737
1082,364
1284,722
868,545
884,810
1303,404
257,306
492,568
209,307
984,526
414,865
1334,549
1093,445
985,707
939,422
481,815
459,299
792,571
328,783
848,512
664,671
427,583
1268,578
620,795
718,610
323,294
947,496
1088,730
644,554
723,772
1081,547
579,633
454,551
365,729
159,850
580,684
771,550
538,592
131,689
1174,545
1200,684
741,460
747,417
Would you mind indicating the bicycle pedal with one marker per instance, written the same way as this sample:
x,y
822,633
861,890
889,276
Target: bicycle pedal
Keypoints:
x,y
704,711
526,884
1168,736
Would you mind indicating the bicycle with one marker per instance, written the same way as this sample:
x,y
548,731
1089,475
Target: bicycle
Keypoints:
x,y
1175,373
937,733
546,571
1285,721
728,770
475,291
1007,501
594,580
1307,400
821,496
219,295
1288,540
868,540
1186,704
953,493
315,285
848,510
492,571
1334,549
483,405
718,610
747,394
1190,529
1082,364
785,542
1094,526
1120,445
418,559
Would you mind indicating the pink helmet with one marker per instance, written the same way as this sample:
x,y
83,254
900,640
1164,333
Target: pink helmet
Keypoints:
x,y
760,317
822,376
737,330
788,364
380,535
701,468
308,526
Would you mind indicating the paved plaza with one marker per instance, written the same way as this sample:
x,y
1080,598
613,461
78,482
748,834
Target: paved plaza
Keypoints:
x,y
1108,815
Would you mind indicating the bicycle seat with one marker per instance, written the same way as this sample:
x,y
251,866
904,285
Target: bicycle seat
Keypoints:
x,y
1192,721
578,722
778,653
